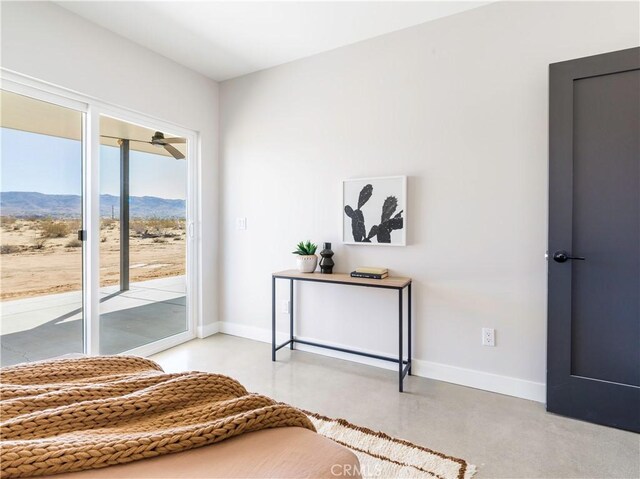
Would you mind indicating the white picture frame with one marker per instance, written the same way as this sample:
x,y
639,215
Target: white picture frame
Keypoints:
x,y
363,202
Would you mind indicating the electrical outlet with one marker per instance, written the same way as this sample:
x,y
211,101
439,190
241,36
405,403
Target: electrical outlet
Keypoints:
x,y
488,337
241,223
284,306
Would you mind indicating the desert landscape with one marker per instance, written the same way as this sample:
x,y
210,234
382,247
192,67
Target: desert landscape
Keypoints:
x,y
42,256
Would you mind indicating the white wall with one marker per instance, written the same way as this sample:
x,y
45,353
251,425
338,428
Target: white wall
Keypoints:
x,y
49,43
460,106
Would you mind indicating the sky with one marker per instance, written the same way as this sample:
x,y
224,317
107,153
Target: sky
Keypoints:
x,y
52,165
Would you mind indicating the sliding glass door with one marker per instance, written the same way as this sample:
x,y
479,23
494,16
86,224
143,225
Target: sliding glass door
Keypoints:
x,y
41,215
143,235
97,229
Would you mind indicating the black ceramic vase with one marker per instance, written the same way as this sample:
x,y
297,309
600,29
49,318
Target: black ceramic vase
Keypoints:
x,y
326,263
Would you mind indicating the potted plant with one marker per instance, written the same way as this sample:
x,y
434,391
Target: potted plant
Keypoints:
x,y
307,259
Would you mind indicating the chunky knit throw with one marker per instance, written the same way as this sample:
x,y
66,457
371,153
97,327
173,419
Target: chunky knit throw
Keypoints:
x,y
74,414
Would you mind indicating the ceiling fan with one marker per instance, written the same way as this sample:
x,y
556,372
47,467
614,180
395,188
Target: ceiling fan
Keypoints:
x,y
159,140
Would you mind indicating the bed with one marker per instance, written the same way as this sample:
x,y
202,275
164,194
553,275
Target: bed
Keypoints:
x,y
58,420
280,453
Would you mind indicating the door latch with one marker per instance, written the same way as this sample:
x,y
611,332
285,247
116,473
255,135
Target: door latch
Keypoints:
x,y
563,256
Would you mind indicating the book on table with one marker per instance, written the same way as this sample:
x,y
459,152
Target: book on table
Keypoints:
x,y
358,274
371,270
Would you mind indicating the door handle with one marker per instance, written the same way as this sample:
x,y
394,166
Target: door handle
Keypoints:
x,y
562,257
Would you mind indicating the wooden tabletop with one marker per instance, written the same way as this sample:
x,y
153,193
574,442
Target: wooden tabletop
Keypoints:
x,y
388,282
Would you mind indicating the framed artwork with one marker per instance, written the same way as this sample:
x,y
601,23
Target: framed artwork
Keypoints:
x,y
374,211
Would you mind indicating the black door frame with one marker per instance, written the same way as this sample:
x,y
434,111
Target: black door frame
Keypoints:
x,y
583,398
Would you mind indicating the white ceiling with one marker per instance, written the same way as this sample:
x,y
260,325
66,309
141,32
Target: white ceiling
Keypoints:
x,y
224,40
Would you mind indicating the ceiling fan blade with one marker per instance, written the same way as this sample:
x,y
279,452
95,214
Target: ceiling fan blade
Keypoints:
x,y
175,140
174,152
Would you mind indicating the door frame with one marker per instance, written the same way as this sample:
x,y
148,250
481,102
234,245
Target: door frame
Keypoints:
x,y
91,109
606,408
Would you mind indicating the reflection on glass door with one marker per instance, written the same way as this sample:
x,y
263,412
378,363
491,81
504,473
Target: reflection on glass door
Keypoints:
x,y
40,215
143,183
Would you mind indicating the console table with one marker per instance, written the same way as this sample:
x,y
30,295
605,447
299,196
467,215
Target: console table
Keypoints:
x,y
397,283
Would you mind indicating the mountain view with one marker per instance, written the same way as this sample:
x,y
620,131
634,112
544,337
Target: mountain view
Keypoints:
x,y
22,204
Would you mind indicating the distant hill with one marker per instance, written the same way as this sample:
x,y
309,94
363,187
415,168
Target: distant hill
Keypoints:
x,y
30,204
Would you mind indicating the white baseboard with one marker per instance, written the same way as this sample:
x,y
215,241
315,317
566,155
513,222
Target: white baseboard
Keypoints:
x,y
243,331
208,329
497,383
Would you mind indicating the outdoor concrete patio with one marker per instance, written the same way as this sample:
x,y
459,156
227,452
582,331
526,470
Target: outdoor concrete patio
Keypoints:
x,y
48,326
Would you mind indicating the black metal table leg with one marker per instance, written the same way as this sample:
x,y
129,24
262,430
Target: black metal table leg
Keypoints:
x,y
273,318
409,329
400,355
291,315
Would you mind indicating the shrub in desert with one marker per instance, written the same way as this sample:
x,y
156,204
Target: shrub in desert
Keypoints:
x,y
74,243
39,243
7,221
162,223
139,227
9,248
74,225
109,224
159,240
165,226
54,229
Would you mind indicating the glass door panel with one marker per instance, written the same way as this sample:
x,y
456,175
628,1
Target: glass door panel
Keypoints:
x,y
40,215
143,182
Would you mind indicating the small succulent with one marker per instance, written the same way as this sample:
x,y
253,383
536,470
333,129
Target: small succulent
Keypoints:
x,y
305,249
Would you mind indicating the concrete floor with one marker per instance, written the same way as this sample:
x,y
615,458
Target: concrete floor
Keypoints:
x,y
504,436
47,326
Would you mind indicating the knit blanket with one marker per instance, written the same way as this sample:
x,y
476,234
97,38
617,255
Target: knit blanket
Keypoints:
x,y
73,414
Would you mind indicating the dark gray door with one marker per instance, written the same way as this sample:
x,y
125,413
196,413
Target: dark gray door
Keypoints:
x,y
593,355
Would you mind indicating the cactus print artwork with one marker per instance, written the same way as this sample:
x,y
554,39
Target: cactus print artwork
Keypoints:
x,y
378,212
